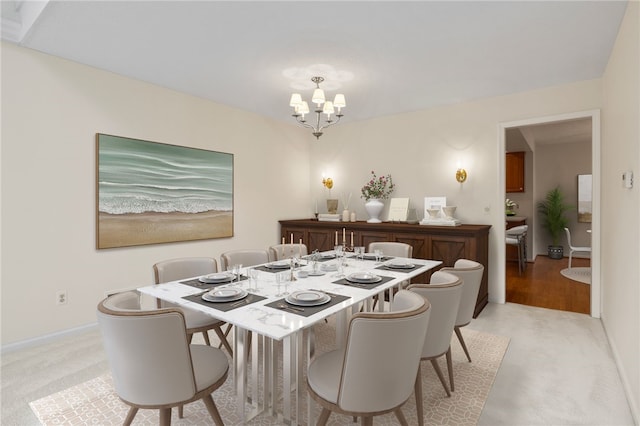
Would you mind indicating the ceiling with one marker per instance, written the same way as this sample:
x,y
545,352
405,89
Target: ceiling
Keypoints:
x,y
386,57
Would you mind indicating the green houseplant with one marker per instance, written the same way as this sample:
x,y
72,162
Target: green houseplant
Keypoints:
x,y
552,213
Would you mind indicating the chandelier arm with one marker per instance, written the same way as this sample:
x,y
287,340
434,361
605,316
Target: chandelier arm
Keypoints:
x,y
331,123
304,123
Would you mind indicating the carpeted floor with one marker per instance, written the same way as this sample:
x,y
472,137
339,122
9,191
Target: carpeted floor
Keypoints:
x,y
580,274
95,402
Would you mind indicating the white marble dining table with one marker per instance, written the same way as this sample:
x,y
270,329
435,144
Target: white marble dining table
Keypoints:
x,y
264,324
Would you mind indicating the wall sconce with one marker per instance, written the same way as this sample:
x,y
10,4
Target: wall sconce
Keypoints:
x,y
327,182
461,175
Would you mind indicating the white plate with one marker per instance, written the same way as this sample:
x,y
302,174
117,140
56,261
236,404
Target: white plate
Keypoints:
x,y
283,264
221,277
400,265
329,267
224,295
308,298
364,277
328,255
316,273
369,256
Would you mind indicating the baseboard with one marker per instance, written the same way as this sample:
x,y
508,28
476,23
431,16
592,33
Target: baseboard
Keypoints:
x,y
37,341
635,410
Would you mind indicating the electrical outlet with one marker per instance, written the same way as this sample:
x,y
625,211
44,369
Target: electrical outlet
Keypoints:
x,y
61,298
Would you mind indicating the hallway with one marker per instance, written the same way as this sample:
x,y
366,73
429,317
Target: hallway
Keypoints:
x,y
542,285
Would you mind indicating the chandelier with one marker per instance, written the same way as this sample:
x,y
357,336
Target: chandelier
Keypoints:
x,y
301,108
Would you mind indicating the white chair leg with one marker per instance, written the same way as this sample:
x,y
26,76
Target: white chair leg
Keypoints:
x,y
570,254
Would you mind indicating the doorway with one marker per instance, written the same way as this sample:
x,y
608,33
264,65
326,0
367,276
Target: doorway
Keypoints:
x,y
531,129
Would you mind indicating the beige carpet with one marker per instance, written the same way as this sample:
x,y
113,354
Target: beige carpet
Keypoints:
x,y
581,274
95,402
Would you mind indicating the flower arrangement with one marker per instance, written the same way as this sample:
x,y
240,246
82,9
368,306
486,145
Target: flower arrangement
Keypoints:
x,y
509,205
377,187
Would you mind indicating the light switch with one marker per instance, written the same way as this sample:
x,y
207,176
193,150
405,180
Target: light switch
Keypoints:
x,y
627,179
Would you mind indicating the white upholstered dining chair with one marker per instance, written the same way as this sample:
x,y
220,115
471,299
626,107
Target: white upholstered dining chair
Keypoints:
x,y
470,272
443,293
395,249
389,248
375,372
287,251
188,267
151,361
247,257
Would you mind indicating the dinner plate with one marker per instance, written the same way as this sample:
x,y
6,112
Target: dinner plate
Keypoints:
x,y
400,265
221,277
308,298
329,267
328,255
369,256
364,278
224,295
316,273
282,264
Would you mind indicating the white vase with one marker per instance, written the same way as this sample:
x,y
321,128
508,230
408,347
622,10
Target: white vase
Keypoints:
x,y
374,208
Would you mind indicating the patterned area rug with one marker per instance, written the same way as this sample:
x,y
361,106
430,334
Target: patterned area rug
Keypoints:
x,y
95,401
581,274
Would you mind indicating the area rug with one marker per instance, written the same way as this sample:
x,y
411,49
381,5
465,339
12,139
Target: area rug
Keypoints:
x,y
95,401
581,274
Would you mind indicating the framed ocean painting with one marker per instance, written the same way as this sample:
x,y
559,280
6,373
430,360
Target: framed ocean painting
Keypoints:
x,y
152,193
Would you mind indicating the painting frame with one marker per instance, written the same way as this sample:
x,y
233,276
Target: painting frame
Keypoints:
x,y
585,189
154,193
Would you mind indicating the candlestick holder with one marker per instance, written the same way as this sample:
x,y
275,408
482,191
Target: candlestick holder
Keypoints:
x,y
292,269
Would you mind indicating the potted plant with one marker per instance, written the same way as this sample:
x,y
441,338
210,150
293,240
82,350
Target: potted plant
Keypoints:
x,y
374,191
552,212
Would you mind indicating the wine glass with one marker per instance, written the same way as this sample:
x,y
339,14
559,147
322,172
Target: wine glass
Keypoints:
x,y
235,270
281,277
253,277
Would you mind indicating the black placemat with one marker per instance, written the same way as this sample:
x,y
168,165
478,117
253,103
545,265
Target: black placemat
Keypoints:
x,y
272,270
406,270
320,258
225,306
372,257
307,311
344,281
198,284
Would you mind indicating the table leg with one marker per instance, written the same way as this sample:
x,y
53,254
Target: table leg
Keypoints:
x,y
287,348
239,369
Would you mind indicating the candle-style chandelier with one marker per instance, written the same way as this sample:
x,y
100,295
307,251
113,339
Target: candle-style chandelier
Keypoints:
x,y
301,108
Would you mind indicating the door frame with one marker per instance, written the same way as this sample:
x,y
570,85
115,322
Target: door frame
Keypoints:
x,y
596,216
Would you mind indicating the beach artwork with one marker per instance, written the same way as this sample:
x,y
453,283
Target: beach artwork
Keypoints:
x,y
152,193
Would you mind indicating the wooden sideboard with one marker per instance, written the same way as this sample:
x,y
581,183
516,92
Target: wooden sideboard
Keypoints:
x,y
445,243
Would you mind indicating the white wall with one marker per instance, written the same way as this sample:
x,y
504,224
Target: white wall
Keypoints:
x,y
620,206
51,111
421,151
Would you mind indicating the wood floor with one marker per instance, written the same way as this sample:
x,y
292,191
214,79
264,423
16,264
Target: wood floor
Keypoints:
x,y
542,285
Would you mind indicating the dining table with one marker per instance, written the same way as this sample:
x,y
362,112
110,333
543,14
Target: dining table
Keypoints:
x,y
281,301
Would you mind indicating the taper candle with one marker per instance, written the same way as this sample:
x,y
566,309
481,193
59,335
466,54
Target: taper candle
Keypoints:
x,y
344,238
351,239
282,240
292,238
336,238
